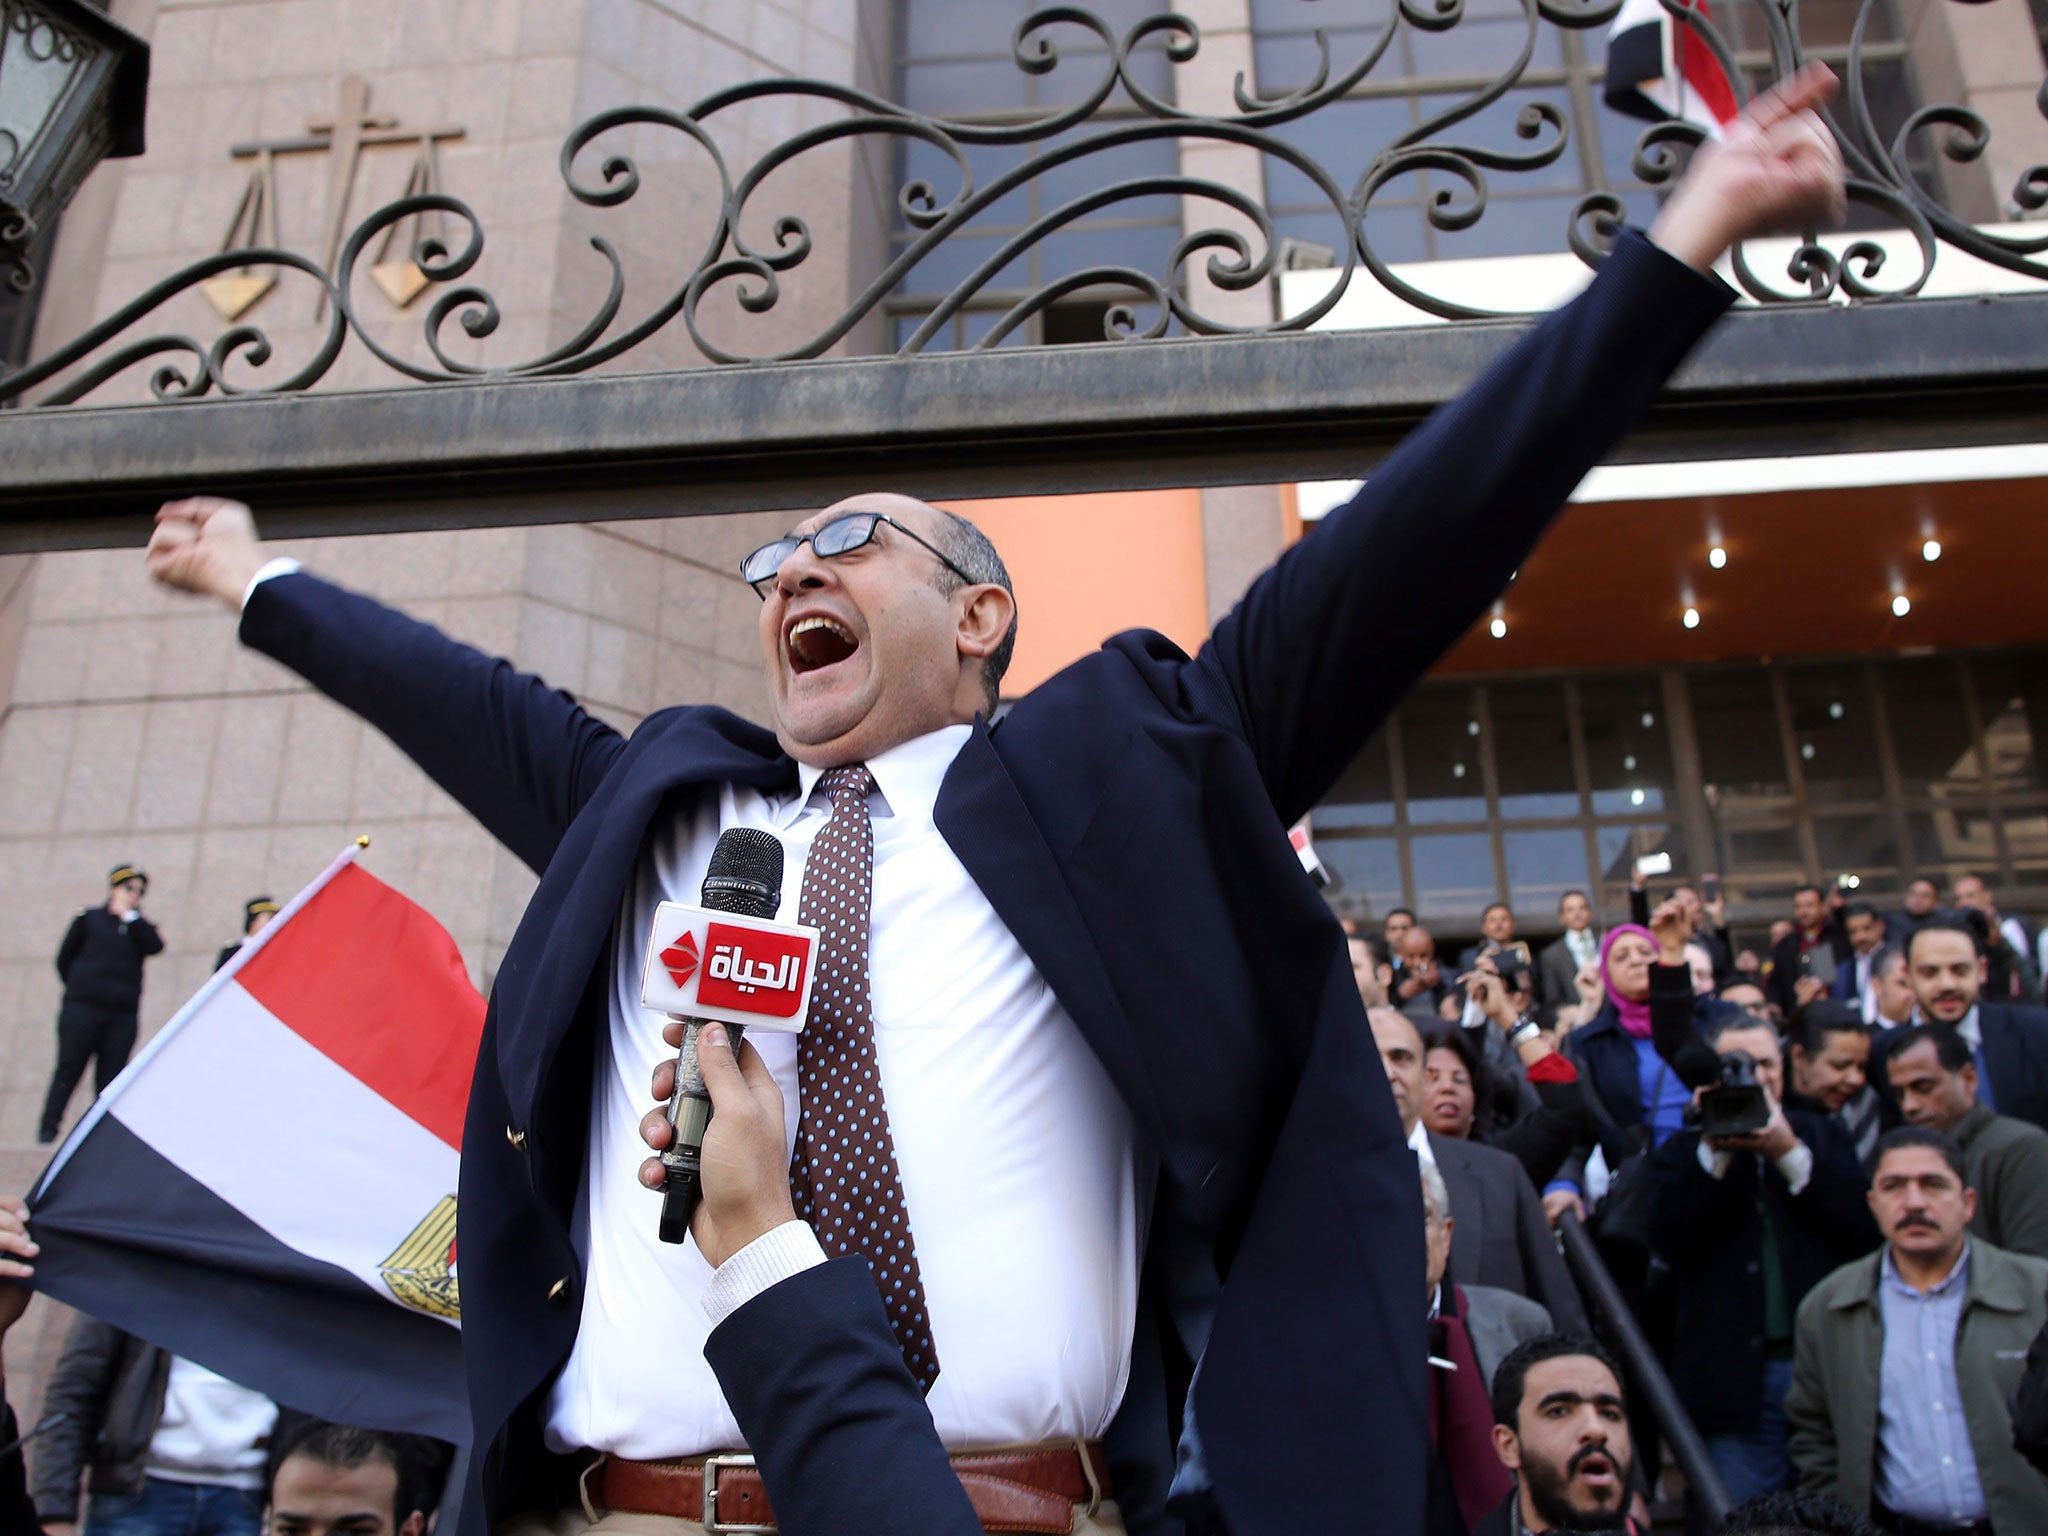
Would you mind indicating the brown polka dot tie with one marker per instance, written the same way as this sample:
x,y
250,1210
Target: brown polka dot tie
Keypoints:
x,y
843,1174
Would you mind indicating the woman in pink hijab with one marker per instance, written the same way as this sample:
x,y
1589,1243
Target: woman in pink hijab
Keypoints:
x,y
1616,1050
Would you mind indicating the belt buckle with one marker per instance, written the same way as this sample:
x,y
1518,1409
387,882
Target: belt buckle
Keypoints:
x,y
713,1526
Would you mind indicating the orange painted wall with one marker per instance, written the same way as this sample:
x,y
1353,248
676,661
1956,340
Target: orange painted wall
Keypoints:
x,y
1087,566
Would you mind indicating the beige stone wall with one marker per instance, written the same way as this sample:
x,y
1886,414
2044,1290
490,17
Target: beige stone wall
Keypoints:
x,y
132,724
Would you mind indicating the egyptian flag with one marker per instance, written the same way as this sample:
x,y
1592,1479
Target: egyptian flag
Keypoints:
x,y
1659,69
269,1188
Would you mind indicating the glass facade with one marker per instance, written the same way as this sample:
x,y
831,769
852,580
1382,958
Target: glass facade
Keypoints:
x,y
1521,787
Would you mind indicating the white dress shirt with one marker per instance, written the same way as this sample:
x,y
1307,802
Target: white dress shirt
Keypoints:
x,y
1014,1149
1584,945
1866,994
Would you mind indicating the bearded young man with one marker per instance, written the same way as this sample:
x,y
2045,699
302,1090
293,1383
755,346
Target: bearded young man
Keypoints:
x,y
1561,1427
1075,933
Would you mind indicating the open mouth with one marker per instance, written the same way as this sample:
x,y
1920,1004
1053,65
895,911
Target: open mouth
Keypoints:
x,y
818,642
1596,1472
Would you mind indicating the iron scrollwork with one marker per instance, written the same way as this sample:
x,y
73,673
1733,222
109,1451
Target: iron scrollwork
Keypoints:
x,y
1148,304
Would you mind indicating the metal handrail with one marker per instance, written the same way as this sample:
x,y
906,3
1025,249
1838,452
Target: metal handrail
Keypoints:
x,y
1618,1330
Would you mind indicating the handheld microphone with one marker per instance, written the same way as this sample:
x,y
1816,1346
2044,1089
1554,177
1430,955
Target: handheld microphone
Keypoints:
x,y
730,961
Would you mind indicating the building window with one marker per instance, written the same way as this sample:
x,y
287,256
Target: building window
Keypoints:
x,y
1521,788
956,64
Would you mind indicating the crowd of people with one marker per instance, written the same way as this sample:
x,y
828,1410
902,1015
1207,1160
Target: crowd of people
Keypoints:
x,y
1817,1171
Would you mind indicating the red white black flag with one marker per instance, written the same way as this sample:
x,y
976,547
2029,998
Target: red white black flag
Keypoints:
x,y
269,1188
1659,69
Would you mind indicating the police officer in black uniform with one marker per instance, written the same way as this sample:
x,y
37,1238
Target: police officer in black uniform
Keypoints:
x,y
101,963
256,912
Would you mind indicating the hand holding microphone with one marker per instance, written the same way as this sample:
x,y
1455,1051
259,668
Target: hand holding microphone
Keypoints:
x,y
744,1163
725,961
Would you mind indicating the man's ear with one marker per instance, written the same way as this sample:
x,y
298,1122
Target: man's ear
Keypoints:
x,y
415,1524
1507,1447
984,621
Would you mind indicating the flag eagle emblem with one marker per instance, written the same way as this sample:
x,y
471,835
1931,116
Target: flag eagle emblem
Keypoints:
x,y
421,1272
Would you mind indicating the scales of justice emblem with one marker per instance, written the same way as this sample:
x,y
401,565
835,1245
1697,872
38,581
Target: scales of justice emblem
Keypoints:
x,y
343,137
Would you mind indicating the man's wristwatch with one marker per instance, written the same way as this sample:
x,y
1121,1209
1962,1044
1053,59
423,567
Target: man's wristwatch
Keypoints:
x,y
1525,1029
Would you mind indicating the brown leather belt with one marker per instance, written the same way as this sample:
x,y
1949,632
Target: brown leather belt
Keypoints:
x,y
1029,1489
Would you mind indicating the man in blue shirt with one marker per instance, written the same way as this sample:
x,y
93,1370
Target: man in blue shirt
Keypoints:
x,y
1906,1361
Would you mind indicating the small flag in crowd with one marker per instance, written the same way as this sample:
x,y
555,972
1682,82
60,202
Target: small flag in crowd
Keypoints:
x,y
269,1188
1658,69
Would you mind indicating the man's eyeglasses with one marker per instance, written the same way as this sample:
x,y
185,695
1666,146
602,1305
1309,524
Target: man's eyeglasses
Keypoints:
x,y
841,536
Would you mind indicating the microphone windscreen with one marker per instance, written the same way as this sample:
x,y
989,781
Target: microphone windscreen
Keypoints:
x,y
745,876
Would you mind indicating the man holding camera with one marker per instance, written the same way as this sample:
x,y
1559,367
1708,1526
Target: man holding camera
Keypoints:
x,y
1755,1204
1805,962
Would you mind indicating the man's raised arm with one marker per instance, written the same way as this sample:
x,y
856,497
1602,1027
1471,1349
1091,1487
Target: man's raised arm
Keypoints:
x,y
520,756
1328,641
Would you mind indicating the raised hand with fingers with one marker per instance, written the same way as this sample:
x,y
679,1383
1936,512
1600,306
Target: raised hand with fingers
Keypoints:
x,y
1778,169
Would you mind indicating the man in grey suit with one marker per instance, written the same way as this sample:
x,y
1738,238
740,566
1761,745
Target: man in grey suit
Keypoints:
x,y
1495,1320
1557,966
1502,1238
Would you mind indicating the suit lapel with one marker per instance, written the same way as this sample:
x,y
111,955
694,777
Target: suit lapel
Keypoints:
x,y
563,940
986,823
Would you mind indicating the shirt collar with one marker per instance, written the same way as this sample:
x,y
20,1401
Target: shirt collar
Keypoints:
x,y
1956,1279
1418,1142
907,777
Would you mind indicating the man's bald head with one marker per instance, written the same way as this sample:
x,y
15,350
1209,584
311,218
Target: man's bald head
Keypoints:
x,y
890,639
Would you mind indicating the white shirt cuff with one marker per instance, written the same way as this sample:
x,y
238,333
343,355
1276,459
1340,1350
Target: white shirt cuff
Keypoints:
x,y
1797,1166
769,1259
283,565
1714,1164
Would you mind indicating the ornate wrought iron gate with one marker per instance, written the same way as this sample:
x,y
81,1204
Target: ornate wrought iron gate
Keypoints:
x,y
1838,353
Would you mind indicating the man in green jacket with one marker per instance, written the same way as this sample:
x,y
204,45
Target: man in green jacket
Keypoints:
x,y
2005,1159
1906,1359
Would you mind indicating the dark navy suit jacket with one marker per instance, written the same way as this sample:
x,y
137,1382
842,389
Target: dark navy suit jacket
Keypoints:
x,y
1127,822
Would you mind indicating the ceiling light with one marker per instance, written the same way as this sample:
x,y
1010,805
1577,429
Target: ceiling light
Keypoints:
x,y
1901,605
1648,719
1692,618
1629,763
1457,770
1471,727
1835,710
1806,751
1931,551
1717,557
1635,797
